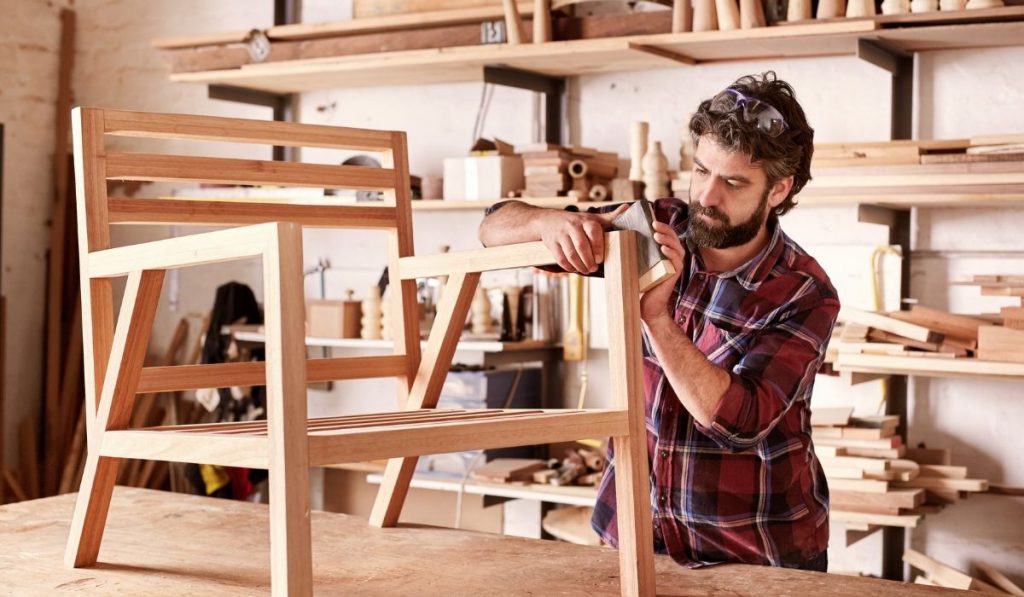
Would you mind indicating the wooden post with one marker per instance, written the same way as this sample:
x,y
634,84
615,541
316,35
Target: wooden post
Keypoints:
x,y
728,15
704,16
682,16
632,474
513,23
541,21
291,565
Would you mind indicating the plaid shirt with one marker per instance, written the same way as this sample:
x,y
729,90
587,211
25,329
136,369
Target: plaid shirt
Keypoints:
x,y
749,487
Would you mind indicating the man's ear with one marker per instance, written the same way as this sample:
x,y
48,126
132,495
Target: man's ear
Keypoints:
x,y
780,190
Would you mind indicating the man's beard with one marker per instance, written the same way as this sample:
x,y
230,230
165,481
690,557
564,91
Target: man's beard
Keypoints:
x,y
725,236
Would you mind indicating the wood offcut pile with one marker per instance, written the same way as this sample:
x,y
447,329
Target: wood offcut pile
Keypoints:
x,y
866,340
874,480
991,165
578,466
935,573
555,170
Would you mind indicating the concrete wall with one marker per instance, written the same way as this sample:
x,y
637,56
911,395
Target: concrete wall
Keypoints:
x,y
960,94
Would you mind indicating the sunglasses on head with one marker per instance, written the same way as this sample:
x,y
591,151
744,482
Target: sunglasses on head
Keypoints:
x,y
765,116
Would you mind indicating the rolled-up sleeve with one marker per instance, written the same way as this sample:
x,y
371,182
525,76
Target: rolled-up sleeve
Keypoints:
x,y
778,367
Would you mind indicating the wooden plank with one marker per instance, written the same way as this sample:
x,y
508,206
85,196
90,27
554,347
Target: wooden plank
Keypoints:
x,y
180,168
182,251
903,520
937,571
405,441
53,437
945,483
124,210
935,456
866,464
936,348
240,130
927,367
947,472
94,235
862,485
625,358
247,451
894,498
291,557
476,260
888,324
998,579
949,324
222,375
426,388
206,39
394,22
131,337
1003,344
869,444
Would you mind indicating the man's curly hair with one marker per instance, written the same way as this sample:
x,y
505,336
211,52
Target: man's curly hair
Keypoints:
x,y
788,154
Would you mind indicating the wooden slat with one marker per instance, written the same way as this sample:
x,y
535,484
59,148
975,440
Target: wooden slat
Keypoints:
x,y
239,130
336,447
124,210
223,450
222,375
382,418
181,168
195,249
477,260
903,520
191,41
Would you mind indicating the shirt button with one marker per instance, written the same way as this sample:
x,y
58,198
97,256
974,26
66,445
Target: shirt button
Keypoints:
x,y
662,499
664,453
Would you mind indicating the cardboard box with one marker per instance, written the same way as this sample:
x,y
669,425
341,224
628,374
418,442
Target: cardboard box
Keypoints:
x,y
488,178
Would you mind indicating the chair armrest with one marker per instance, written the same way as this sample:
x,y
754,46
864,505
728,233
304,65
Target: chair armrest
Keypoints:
x,y
530,254
194,249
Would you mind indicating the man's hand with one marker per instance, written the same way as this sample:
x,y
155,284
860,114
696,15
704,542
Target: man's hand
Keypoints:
x,y
654,302
575,239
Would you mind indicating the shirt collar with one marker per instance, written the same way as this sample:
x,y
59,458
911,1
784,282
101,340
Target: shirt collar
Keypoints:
x,y
754,271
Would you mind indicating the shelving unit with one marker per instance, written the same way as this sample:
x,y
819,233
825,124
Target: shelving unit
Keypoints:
x,y
840,37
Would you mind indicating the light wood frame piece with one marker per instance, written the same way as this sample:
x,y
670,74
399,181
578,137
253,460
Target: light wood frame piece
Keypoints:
x,y
288,442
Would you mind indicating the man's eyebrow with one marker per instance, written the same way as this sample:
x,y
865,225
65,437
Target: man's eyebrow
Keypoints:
x,y
734,177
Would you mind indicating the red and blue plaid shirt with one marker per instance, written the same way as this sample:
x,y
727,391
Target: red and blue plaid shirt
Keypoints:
x,y
749,487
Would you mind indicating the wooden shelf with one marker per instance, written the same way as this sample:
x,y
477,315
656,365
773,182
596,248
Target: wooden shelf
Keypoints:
x,y
571,495
840,37
359,343
482,204
929,367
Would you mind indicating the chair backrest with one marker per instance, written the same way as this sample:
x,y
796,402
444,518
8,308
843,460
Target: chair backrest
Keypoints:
x,y
95,165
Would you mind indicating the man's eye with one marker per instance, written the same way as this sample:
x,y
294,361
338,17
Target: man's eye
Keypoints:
x,y
702,171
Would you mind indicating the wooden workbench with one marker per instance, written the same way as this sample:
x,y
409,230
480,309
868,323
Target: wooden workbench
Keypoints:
x,y
173,544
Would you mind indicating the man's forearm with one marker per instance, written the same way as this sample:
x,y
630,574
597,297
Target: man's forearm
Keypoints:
x,y
514,222
699,383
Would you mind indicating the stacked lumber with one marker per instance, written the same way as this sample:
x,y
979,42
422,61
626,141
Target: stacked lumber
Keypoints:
x,y
553,170
1001,148
935,573
874,480
921,331
1004,342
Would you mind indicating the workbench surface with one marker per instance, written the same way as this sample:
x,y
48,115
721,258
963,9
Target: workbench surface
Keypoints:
x,y
172,544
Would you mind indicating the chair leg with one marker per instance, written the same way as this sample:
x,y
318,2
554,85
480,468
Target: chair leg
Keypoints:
x,y
91,508
291,553
426,390
632,474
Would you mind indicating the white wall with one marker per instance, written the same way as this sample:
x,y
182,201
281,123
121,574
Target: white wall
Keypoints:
x,y
962,93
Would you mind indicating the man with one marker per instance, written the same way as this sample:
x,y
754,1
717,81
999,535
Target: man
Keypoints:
x,y
731,342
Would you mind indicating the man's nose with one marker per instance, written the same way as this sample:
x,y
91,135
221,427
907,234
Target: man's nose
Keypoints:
x,y
710,194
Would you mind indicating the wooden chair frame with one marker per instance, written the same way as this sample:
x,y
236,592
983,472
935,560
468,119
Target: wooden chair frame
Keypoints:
x,y
288,443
